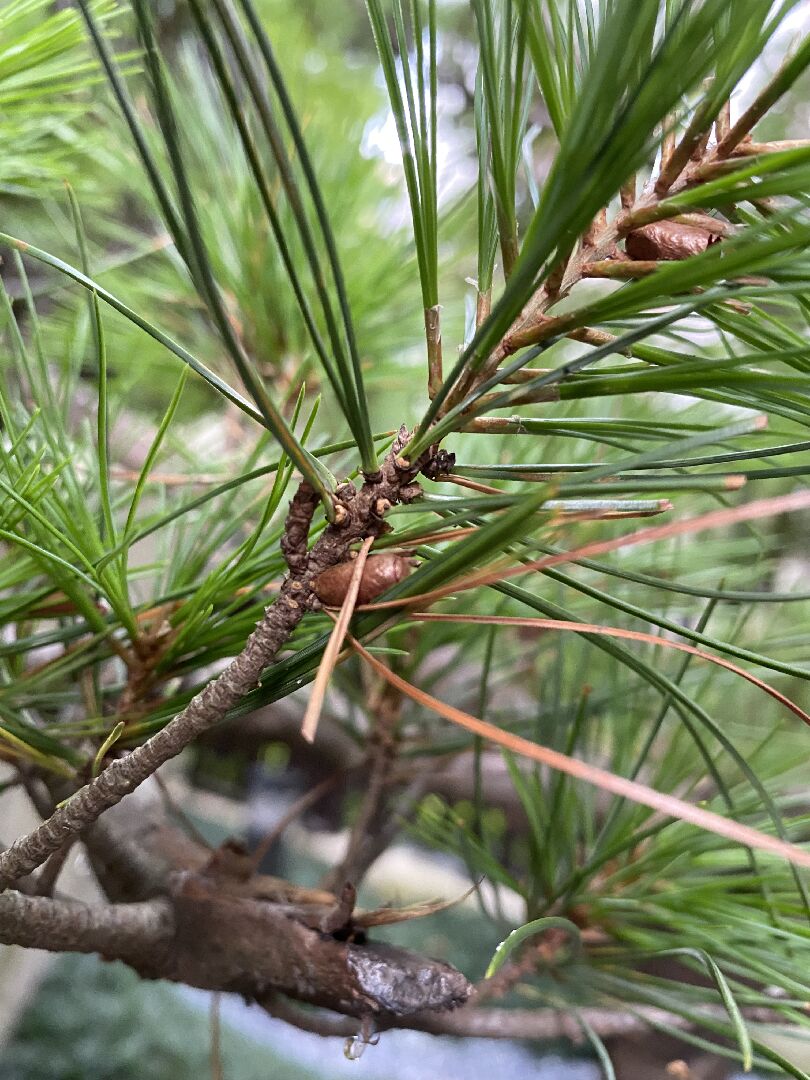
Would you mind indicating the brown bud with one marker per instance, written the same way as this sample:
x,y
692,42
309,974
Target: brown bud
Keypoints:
x,y
381,572
668,241
410,493
440,464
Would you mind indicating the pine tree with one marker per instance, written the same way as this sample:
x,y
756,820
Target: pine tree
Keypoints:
x,y
607,323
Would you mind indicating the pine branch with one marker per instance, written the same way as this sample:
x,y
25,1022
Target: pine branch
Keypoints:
x,y
129,932
204,937
372,819
124,775
357,516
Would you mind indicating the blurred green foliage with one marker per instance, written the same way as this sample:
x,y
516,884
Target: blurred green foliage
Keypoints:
x,y
93,1020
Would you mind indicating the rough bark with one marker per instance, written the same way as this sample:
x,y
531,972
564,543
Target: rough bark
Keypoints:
x,y
252,945
203,937
136,933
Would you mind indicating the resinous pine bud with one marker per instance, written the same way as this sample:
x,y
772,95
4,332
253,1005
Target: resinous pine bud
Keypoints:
x,y
381,572
668,241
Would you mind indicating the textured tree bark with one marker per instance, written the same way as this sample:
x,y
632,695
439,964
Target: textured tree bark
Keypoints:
x,y
224,943
202,937
251,946
130,932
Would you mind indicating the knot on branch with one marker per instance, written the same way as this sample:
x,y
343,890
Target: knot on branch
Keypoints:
x,y
360,513
296,528
252,946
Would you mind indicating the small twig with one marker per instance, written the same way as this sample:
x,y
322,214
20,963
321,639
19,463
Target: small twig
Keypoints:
x,y
596,227
609,268
701,145
473,485
555,279
399,811
49,874
385,708
179,814
490,1023
753,149
483,306
542,394
691,147
533,325
36,791
667,143
767,97
722,124
523,375
510,974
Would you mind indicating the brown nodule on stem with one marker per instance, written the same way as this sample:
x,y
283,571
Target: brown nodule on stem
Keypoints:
x,y
667,241
380,573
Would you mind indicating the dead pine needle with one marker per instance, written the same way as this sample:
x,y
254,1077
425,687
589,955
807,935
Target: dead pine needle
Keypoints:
x,y
313,712
667,805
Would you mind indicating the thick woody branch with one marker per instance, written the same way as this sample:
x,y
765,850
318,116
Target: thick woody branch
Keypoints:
x,y
129,932
254,948
160,940
204,938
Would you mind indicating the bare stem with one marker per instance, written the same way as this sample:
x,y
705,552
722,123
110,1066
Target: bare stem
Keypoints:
x,y
118,931
782,81
493,1023
385,708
